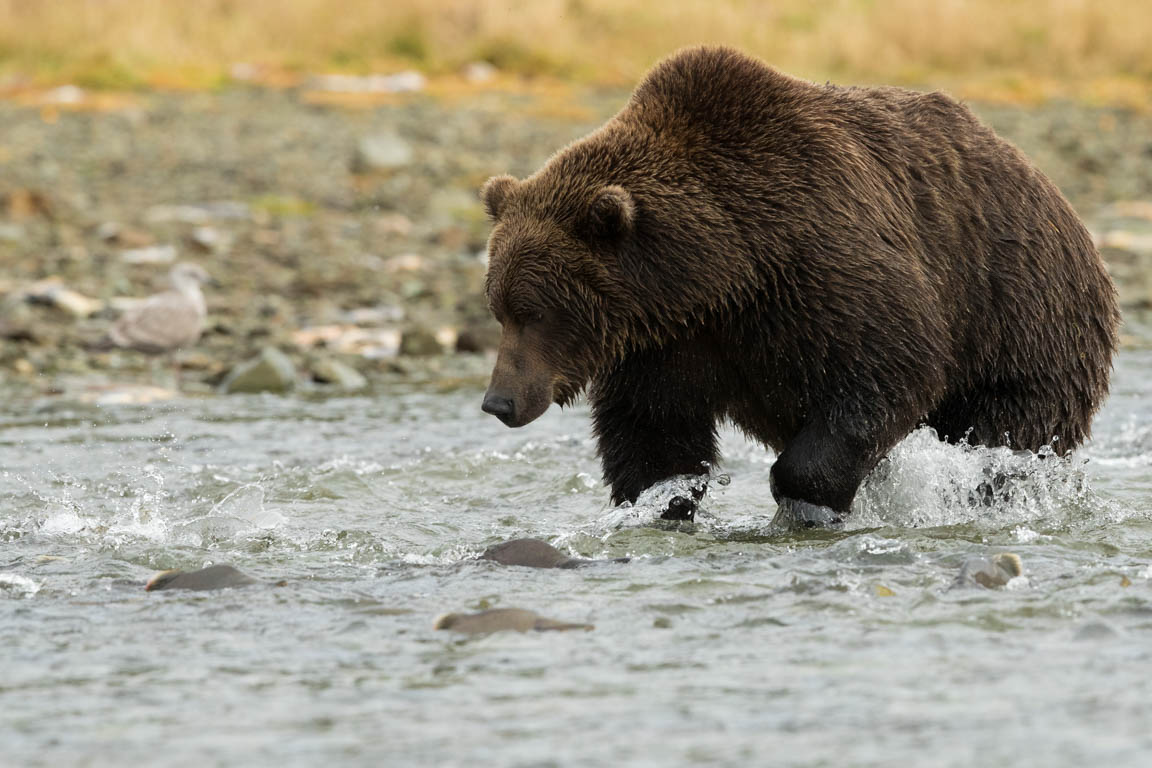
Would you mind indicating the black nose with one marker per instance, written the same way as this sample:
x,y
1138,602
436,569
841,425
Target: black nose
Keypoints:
x,y
500,407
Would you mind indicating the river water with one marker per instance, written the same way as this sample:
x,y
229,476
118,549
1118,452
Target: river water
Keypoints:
x,y
725,642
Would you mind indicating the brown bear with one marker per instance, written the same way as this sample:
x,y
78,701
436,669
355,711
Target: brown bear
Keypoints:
x,y
825,267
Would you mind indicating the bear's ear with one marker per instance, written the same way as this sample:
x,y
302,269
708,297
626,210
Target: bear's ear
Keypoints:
x,y
494,193
612,212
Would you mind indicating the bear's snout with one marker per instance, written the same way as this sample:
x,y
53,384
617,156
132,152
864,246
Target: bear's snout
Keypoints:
x,y
503,408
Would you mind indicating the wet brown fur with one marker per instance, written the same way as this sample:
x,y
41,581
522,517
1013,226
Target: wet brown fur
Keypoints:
x,y
826,267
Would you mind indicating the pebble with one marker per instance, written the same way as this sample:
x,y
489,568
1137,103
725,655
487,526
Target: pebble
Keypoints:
x,y
478,72
372,343
208,240
157,254
408,81
392,225
381,152
198,213
11,233
113,232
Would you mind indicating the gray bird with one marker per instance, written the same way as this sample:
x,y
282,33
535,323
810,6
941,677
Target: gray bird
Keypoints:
x,y
166,321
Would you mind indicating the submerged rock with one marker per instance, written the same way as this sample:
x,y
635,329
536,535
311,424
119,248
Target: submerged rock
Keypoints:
x,y
503,620
534,553
989,572
272,371
212,577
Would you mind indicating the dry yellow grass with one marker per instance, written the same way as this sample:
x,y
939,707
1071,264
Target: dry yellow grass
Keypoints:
x,y
1020,48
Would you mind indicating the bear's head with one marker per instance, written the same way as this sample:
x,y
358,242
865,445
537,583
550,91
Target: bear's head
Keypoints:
x,y
556,286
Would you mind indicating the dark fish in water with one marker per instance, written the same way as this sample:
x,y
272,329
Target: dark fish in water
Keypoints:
x,y
534,553
212,577
502,620
989,572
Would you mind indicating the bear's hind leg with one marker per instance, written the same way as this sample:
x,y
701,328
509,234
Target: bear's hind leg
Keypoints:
x,y
817,475
1012,414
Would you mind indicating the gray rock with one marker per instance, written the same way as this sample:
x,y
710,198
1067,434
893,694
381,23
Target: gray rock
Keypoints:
x,y
199,213
503,620
341,375
209,240
420,342
381,152
156,254
272,371
11,233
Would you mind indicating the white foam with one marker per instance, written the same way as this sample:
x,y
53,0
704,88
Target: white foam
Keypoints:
x,y
15,585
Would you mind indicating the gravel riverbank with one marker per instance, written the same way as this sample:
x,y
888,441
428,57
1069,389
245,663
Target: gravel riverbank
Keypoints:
x,y
352,239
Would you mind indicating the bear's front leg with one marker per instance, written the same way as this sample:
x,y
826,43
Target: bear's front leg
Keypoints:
x,y
645,437
817,475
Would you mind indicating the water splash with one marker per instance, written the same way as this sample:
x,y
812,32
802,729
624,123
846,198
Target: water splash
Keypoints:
x,y
925,482
17,586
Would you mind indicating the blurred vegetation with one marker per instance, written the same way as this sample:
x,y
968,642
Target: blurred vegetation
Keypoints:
x,y
1023,49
